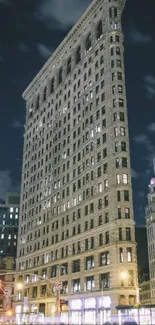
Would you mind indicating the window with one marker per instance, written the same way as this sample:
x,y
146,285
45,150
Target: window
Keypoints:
x,y
126,195
38,102
78,54
64,288
120,234
105,281
118,52
107,237
52,85
122,131
121,102
76,266
127,213
76,285
90,283
69,65
119,76
123,146
128,234
129,255
118,196
45,94
121,257
89,262
104,259
125,179
119,213
99,30
88,42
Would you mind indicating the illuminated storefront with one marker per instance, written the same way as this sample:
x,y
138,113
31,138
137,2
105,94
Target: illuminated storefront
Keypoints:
x,y
89,311
144,315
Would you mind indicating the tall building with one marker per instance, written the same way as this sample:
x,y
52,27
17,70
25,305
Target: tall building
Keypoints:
x,y
150,226
76,200
9,216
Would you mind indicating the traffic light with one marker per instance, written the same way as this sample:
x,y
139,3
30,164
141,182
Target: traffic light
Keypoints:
x,y
63,305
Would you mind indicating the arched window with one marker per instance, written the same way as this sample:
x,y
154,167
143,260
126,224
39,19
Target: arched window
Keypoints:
x,y
38,102
45,94
60,76
52,85
69,65
99,30
78,54
88,42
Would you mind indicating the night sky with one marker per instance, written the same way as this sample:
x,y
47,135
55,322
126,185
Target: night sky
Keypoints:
x,y
29,32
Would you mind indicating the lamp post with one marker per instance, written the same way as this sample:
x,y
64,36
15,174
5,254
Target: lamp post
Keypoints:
x,y
58,287
126,275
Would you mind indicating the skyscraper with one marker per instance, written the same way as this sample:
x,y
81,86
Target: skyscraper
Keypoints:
x,y
150,227
76,200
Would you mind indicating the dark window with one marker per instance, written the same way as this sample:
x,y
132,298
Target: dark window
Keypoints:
x,y
128,234
52,85
76,266
88,42
78,55
69,65
105,281
45,94
89,262
99,30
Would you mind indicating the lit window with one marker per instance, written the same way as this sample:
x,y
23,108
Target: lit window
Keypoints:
x,y
118,179
74,201
2,236
11,216
79,198
16,216
14,243
9,236
17,209
68,204
125,179
11,209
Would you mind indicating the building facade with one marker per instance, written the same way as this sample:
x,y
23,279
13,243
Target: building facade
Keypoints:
x,y
9,216
150,226
145,293
76,195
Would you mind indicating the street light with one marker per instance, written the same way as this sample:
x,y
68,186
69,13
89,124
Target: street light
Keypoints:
x,y
19,286
126,275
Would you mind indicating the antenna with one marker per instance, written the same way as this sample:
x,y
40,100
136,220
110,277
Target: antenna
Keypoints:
x,y
154,165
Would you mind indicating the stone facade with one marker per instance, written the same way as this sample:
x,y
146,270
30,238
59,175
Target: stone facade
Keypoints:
x,y
76,200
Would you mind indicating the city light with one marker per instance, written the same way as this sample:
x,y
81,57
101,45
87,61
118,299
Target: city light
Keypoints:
x,y
19,286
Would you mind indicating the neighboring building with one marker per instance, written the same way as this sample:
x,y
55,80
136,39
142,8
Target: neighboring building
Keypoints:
x,y
76,194
7,266
150,226
9,216
142,253
145,293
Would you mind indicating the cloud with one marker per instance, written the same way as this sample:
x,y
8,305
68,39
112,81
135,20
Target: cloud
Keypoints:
x,y
23,48
149,86
5,2
143,139
151,127
138,37
61,13
134,174
43,50
6,183
16,124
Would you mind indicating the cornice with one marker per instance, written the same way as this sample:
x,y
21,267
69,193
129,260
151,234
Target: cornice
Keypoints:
x,y
52,61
